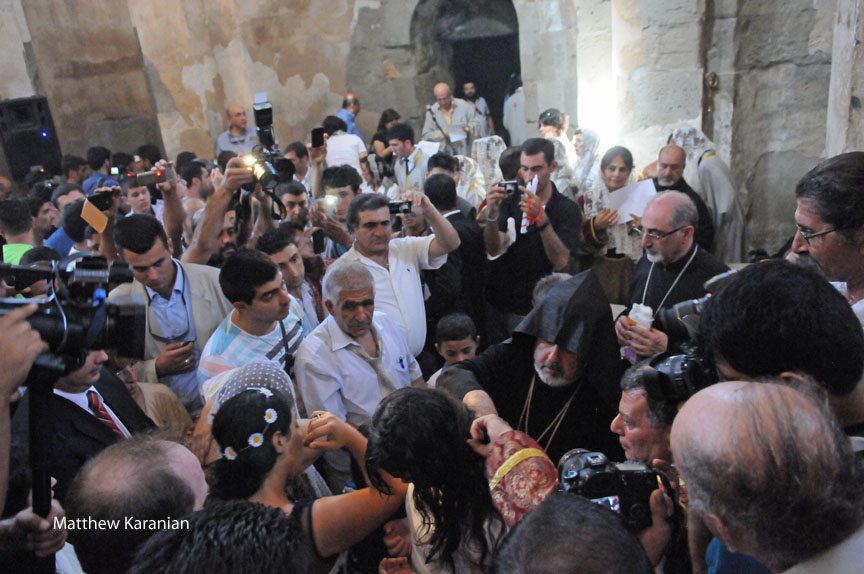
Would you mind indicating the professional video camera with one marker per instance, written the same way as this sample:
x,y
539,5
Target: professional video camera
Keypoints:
x,y
77,317
624,487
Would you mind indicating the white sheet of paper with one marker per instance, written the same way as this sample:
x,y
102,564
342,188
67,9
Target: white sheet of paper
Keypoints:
x,y
429,148
457,134
631,199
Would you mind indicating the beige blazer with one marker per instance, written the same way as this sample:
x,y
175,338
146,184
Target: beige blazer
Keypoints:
x,y
209,307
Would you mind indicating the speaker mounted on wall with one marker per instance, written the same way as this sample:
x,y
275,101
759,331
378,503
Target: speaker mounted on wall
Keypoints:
x,y
28,136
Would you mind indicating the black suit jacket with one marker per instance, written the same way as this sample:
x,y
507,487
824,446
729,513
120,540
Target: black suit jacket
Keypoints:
x,y
76,435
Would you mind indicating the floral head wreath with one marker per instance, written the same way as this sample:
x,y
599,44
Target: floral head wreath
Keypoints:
x,y
255,440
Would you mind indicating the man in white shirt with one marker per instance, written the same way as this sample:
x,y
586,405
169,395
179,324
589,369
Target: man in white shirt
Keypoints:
x,y
354,358
395,264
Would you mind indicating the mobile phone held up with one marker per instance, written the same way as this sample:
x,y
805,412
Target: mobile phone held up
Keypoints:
x,y
317,137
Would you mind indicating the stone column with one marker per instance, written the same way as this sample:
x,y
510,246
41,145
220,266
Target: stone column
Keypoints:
x,y
547,48
845,125
658,48
595,70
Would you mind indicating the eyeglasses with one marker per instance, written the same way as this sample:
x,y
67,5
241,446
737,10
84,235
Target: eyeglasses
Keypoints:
x,y
808,236
653,233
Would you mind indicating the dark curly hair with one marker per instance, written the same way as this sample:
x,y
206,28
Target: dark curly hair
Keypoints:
x,y
420,435
239,418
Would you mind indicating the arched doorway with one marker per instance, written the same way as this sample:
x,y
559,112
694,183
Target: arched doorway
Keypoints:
x,y
466,40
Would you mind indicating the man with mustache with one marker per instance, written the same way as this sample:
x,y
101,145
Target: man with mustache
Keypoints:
x,y
557,378
670,176
354,358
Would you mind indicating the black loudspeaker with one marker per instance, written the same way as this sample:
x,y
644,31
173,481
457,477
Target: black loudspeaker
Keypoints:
x,y
28,136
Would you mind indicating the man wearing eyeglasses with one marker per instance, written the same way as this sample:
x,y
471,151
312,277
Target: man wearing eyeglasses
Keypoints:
x,y
184,306
673,268
830,220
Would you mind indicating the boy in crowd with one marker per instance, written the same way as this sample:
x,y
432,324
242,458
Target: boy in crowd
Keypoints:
x,y
455,340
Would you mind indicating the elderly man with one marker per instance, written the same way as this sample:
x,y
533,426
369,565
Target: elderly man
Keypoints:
x,y
773,476
557,378
643,423
450,121
672,269
354,358
670,176
184,306
237,138
830,220
141,479
395,264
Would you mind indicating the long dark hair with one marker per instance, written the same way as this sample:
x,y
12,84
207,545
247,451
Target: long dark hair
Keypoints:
x,y
241,417
387,116
420,435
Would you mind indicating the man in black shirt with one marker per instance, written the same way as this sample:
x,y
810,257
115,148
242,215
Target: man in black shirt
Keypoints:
x,y
670,176
546,227
672,269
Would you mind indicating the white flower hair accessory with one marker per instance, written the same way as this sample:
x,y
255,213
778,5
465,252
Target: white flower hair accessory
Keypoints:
x,y
257,439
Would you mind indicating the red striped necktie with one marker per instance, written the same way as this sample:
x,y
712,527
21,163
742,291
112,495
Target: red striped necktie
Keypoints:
x,y
98,407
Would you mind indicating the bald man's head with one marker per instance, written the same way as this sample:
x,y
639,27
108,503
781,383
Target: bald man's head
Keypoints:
x,y
236,118
142,478
769,468
673,216
443,95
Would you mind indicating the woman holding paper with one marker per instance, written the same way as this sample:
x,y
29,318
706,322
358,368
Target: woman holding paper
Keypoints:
x,y
602,226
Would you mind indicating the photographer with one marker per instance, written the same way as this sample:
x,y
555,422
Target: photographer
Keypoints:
x,y
206,240
776,319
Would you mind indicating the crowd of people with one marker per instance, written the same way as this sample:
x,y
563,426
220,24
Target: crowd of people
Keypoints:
x,y
375,361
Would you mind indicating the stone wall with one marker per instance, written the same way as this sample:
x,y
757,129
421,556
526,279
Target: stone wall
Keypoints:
x,y
88,63
783,64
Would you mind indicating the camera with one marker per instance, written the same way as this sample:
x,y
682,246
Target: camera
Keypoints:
x,y
624,487
146,178
266,159
77,317
511,186
675,378
400,208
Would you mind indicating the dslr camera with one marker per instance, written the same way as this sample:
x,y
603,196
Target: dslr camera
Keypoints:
x,y
624,487
77,318
266,159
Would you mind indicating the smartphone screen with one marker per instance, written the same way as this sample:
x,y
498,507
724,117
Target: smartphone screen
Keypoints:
x,y
317,137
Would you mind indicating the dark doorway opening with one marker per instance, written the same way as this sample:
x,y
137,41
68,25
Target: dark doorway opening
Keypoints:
x,y
488,62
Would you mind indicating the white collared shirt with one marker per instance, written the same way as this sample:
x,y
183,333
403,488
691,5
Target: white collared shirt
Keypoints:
x,y
80,399
398,291
333,378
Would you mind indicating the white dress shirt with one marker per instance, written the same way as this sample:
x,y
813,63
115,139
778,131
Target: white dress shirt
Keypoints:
x,y
398,291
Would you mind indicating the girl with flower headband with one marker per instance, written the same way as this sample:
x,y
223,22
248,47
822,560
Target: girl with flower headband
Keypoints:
x,y
262,446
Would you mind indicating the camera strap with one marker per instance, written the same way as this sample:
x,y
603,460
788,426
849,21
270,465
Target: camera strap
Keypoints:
x,y
674,283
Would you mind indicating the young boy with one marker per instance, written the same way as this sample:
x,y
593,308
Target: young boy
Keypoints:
x,y
455,340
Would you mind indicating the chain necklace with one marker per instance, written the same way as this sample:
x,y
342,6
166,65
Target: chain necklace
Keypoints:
x,y
556,422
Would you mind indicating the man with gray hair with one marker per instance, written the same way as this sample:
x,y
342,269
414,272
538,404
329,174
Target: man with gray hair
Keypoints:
x,y
670,176
354,358
773,476
673,269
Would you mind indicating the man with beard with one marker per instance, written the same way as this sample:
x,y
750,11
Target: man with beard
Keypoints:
x,y
557,377
184,306
670,176
265,324
672,269
483,116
